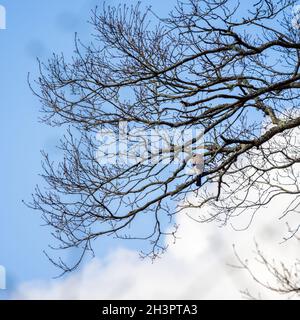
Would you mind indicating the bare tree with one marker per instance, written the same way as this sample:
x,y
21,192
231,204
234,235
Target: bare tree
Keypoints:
x,y
210,64
279,278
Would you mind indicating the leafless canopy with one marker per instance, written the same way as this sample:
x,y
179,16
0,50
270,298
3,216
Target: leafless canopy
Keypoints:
x,y
278,278
214,64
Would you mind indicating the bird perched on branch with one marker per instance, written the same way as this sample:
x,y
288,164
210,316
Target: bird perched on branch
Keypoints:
x,y
198,164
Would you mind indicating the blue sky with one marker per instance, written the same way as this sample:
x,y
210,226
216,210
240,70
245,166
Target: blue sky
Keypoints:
x,y
34,29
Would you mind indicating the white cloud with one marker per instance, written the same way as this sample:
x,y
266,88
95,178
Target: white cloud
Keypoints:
x,y
194,268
